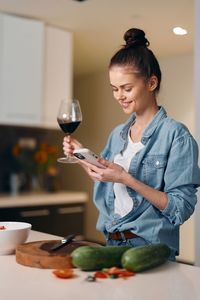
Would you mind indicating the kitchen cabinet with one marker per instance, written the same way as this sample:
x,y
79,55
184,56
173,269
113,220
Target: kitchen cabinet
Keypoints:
x,y
58,213
54,219
35,71
21,70
58,72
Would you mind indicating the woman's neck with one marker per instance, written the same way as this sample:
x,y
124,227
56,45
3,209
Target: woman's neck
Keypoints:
x,y
141,122
144,118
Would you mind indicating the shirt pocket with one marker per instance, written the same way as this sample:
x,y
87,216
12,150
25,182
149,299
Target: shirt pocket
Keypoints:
x,y
153,169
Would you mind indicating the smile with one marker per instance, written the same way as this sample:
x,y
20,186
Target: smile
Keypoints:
x,y
125,104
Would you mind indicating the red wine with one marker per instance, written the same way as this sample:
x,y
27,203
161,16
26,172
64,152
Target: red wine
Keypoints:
x,y
68,127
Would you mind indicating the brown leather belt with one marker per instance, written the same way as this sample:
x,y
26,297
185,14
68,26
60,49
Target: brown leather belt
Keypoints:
x,y
121,235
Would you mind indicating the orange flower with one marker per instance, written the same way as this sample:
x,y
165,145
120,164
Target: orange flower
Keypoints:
x,y
52,150
41,156
16,150
43,146
39,160
51,171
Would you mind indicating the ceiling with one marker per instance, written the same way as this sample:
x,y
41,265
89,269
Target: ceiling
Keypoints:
x,y
99,25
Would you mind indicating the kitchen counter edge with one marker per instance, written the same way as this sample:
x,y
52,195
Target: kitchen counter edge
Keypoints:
x,y
35,199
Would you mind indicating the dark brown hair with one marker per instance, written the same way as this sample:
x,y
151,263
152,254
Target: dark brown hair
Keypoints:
x,y
136,54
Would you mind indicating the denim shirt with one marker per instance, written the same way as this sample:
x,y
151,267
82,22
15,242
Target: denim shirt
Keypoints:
x,y
169,163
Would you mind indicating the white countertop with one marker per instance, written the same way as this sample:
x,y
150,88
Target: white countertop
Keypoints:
x,y
35,199
172,281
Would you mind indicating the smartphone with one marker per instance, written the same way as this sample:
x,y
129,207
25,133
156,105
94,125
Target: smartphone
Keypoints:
x,y
88,155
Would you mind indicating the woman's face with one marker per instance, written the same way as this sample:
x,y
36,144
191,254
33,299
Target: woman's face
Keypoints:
x,y
132,92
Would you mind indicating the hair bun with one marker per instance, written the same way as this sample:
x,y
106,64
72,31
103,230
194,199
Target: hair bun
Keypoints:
x,y
135,37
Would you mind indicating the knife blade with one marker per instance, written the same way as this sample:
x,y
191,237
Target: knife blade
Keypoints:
x,y
65,241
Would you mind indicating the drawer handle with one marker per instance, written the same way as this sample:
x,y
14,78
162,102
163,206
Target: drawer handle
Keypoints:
x,y
70,210
35,213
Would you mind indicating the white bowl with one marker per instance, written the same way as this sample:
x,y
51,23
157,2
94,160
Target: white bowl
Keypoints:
x,y
15,233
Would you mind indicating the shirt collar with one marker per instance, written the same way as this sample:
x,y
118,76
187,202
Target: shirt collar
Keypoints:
x,y
161,114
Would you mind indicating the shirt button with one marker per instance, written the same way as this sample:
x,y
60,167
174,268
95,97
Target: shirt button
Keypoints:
x,y
157,163
144,140
108,226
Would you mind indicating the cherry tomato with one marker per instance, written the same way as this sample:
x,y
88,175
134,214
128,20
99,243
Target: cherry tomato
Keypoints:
x,y
126,273
114,271
100,274
64,273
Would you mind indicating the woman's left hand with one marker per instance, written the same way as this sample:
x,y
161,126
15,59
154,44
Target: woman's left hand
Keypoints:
x,y
111,173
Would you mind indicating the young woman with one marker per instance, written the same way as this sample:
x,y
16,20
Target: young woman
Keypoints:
x,y
148,188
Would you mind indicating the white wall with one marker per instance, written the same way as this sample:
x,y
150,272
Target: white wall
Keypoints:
x,y
197,118
177,96
177,90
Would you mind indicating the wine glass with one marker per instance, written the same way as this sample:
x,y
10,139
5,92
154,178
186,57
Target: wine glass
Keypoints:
x,y
69,118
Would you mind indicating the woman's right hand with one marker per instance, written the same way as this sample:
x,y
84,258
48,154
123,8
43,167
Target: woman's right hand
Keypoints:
x,y
70,144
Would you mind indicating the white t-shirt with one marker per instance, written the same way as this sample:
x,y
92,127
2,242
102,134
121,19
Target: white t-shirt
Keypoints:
x,y
123,202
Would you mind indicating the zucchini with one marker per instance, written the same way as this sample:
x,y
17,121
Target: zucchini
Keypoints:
x,y
93,258
145,257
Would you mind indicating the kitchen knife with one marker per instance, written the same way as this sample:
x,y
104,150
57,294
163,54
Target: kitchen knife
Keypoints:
x,y
65,241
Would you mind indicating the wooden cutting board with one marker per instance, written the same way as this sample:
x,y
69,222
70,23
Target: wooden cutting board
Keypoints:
x,y
39,255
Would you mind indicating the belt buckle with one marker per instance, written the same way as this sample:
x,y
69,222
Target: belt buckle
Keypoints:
x,y
122,236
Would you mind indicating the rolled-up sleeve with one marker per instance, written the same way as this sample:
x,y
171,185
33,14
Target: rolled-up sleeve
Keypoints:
x,y
181,203
182,178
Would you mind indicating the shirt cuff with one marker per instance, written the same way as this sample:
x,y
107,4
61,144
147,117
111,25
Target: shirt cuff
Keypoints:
x,y
170,209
